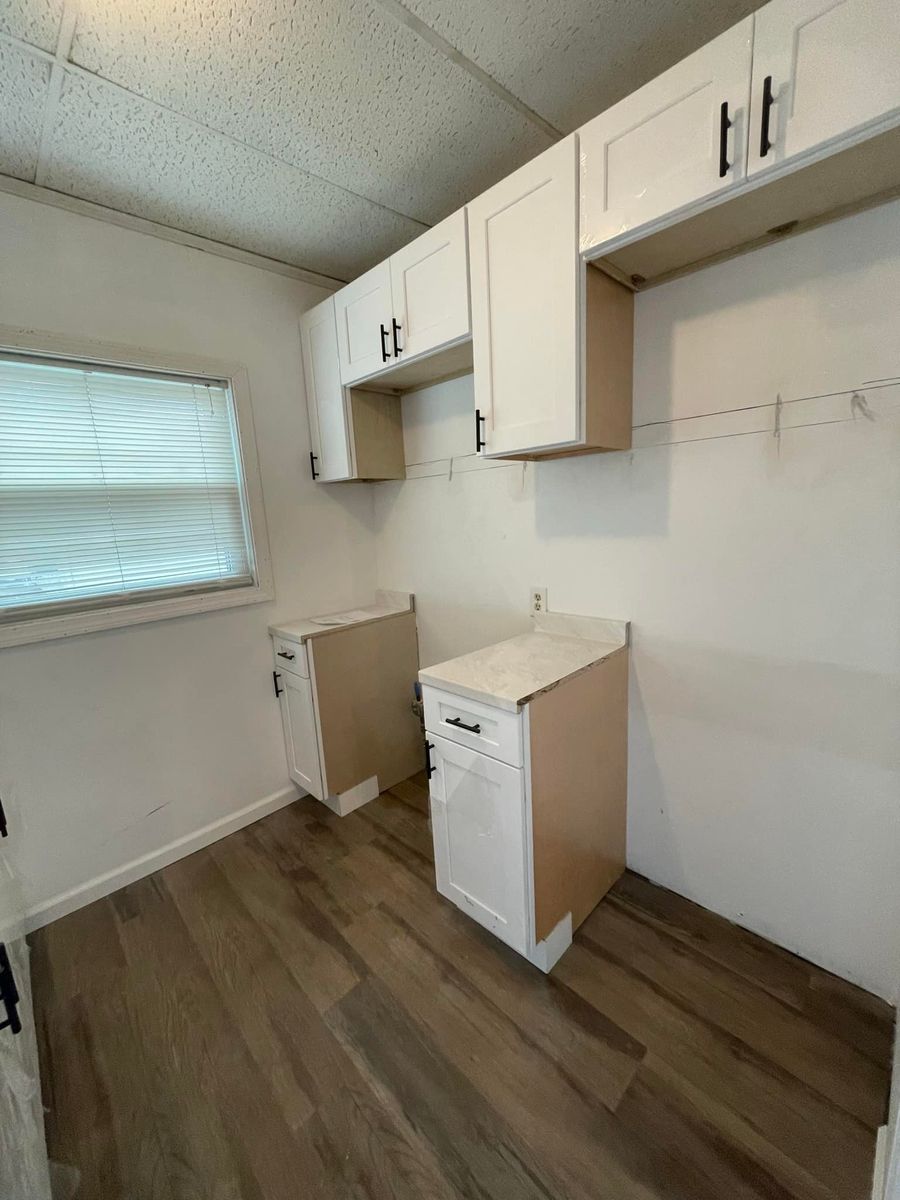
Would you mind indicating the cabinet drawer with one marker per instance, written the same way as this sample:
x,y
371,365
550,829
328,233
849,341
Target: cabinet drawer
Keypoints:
x,y
291,656
481,727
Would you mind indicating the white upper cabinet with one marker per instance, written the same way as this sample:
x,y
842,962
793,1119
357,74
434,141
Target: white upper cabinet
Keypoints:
x,y
681,138
822,69
364,313
325,397
525,274
430,289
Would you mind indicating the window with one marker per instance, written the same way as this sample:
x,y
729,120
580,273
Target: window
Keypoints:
x,y
119,487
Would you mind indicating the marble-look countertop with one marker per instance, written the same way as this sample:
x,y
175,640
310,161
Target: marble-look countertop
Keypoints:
x,y
387,604
509,674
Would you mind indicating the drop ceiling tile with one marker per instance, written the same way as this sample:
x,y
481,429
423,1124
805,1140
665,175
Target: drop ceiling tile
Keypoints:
x,y
571,59
23,89
334,86
120,151
34,21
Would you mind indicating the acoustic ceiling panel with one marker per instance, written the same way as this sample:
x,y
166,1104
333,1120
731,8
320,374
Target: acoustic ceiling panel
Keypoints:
x,y
120,151
336,87
33,21
23,90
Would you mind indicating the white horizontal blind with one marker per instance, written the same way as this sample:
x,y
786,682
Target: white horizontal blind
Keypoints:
x,y
115,486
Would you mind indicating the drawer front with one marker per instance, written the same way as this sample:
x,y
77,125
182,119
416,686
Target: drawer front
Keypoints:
x,y
291,656
481,727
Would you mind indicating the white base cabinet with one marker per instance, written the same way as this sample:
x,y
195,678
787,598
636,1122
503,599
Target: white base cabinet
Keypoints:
x,y
528,807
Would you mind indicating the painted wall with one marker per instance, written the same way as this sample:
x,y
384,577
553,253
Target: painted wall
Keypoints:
x,y
115,744
761,573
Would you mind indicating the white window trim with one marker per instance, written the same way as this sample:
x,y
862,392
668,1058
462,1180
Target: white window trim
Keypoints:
x,y
91,620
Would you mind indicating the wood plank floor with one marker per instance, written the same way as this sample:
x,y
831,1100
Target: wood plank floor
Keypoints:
x,y
295,1013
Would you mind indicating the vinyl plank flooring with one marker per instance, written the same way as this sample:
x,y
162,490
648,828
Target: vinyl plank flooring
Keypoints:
x,y
295,1011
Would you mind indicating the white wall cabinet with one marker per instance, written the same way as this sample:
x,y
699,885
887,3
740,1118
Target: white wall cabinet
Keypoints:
x,y
680,138
551,340
822,70
408,307
352,435
325,396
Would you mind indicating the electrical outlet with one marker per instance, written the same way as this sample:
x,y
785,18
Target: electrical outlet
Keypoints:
x,y
538,599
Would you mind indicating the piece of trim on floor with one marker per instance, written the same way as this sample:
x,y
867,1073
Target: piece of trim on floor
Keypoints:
x,y
138,868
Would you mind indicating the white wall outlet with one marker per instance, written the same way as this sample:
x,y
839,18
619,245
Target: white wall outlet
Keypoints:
x,y
538,599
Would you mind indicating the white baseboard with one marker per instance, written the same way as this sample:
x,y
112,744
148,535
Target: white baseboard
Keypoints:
x,y
138,868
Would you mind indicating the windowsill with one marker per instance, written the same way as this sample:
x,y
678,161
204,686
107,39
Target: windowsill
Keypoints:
x,y
44,629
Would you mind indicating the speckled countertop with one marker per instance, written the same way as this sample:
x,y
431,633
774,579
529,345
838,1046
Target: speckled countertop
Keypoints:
x,y
509,674
387,604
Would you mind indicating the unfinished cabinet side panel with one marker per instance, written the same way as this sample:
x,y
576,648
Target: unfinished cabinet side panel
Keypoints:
x,y
609,361
377,435
579,769
364,677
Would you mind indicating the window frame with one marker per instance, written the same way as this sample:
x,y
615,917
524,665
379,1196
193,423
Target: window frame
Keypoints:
x,y
94,616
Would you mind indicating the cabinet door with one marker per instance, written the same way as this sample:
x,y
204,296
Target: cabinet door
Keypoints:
x,y
363,309
833,68
525,271
668,144
430,288
298,716
325,398
478,824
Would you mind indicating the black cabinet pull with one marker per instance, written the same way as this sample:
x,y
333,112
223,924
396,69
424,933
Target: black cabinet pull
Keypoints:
x,y
480,443
4,829
396,326
462,725
284,654
275,677
384,350
725,124
9,993
767,101
313,459
429,767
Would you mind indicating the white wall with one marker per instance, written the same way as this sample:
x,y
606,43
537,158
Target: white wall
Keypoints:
x,y
114,745
762,575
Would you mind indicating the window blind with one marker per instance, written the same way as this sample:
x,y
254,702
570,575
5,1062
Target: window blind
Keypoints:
x,y
115,486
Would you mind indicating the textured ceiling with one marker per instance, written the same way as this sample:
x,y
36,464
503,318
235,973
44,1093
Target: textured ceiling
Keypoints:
x,y
324,133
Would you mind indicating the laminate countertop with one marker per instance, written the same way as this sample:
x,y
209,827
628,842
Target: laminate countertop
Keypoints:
x,y
509,674
387,604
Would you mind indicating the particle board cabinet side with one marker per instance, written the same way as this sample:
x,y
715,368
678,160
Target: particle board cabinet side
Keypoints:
x,y
364,679
579,768
609,361
377,435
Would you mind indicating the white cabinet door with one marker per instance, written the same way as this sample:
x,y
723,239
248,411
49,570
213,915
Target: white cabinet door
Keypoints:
x,y
298,716
525,272
430,288
833,66
670,143
478,824
364,313
325,398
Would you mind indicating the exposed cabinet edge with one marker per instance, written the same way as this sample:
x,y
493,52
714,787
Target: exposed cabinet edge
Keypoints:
x,y
376,435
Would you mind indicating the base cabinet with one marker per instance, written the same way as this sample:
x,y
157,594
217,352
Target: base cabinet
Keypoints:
x,y
478,822
298,719
529,850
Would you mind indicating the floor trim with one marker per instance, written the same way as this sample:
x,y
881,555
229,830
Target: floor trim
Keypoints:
x,y
95,889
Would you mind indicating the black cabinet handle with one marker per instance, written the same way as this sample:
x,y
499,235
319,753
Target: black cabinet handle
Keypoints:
x,y
725,124
396,326
462,725
4,829
313,459
767,101
480,443
284,654
384,350
429,767
9,993
275,677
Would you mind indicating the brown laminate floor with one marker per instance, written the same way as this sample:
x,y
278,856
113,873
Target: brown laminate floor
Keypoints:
x,y
294,1013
